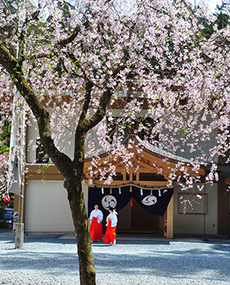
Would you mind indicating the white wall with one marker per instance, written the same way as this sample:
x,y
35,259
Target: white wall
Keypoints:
x,y
65,143
197,224
203,144
32,135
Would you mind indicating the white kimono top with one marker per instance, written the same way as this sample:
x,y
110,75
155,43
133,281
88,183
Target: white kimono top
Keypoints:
x,y
97,214
113,218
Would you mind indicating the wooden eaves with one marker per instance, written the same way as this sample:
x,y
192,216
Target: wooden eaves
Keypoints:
x,y
146,159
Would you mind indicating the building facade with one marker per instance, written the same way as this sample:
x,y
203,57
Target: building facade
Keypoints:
x,y
46,210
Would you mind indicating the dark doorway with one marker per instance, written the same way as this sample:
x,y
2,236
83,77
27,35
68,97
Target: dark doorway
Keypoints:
x,y
135,219
143,221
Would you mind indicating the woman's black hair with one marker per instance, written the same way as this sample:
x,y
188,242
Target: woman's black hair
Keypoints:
x,y
110,208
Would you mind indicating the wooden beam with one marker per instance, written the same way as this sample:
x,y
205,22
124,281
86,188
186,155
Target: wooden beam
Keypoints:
x,y
42,172
170,219
120,182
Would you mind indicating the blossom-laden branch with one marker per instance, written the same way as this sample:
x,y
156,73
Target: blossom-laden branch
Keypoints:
x,y
42,116
162,52
22,36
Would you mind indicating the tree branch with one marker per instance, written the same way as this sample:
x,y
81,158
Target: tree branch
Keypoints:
x,y
42,116
22,36
70,39
101,110
84,125
89,86
6,6
40,55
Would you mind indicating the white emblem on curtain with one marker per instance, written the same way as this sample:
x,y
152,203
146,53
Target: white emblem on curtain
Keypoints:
x,y
109,201
149,200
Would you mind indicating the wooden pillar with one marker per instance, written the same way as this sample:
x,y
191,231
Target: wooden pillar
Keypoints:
x,y
124,174
223,207
16,208
130,175
16,203
170,219
165,225
138,177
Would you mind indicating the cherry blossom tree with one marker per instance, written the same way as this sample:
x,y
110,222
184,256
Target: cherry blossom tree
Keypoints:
x,y
74,61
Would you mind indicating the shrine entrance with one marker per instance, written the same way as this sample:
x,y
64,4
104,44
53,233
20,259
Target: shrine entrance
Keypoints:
x,y
143,197
140,209
134,219
143,221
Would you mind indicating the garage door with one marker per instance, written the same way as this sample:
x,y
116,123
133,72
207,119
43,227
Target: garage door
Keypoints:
x,y
47,208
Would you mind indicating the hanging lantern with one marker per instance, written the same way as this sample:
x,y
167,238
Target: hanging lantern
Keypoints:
x,y
102,190
7,199
141,192
111,191
131,202
130,189
159,192
119,190
151,193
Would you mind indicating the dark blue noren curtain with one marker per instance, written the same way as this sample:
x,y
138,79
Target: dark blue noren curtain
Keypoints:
x,y
102,197
156,203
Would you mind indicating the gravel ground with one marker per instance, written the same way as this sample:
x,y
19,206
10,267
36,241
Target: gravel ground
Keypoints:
x,y
132,261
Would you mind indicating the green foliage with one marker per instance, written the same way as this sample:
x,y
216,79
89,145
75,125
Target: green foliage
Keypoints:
x,y
5,138
222,20
2,212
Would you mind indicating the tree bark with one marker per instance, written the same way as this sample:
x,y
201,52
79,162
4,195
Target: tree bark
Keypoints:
x,y
85,255
77,205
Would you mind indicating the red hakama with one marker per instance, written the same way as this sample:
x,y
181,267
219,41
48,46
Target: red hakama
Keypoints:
x,y
95,230
110,234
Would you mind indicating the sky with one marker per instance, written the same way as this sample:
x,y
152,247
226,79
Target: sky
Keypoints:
x,y
212,3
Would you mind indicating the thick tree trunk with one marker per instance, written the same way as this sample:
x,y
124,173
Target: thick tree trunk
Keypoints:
x,y
85,255
73,180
